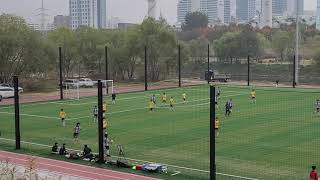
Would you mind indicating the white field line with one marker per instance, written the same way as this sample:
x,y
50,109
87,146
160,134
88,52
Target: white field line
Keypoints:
x,y
128,110
239,177
95,102
118,112
146,95
40,103
175,173
65,102
83,117
31,115
144,161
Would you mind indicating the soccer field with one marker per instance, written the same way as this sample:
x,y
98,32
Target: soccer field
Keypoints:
x,y
277,138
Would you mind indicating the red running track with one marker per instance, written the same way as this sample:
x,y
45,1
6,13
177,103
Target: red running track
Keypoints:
x,y
70,169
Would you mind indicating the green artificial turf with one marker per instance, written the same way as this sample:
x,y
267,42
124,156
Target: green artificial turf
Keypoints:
x,y
277,138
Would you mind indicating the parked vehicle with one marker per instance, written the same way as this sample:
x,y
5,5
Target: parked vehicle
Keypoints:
x,y
85,82
6,92
11,86
70,82
215,76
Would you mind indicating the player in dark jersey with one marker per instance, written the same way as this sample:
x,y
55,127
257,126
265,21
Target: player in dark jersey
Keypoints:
x,y
317,105
228,106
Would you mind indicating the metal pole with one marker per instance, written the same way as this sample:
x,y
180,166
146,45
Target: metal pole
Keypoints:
x,y
248,71
145,69
297,45
17,111
99,14
106,68
208,63
100,122
212,134
60,70
179,64
294,80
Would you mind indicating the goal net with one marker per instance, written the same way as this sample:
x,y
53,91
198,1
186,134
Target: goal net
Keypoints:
x,y
74,90
108,87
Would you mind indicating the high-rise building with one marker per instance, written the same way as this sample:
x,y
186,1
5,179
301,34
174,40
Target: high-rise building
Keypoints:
x,y
62,21
279,7
195,5
216,10
227,11
233,10
266,13
219,9
210,8
183,8
87,13
293,6
42,28
245,10
318,15
102,13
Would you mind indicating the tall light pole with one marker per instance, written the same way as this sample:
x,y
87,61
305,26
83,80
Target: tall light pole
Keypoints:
x,y
297,44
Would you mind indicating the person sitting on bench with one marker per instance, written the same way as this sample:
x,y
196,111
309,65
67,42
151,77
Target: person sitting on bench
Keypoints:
x,y
54,149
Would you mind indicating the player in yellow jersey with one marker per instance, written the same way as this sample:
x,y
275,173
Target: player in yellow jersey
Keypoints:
x,y
164,99
104,123
104,107
253,96
151,105
62,116
171,103
184,97
216,126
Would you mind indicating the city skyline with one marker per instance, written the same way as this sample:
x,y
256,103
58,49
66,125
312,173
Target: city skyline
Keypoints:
x,y
115,8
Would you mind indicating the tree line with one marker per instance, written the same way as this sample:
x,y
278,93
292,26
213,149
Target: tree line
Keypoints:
x,y
30,54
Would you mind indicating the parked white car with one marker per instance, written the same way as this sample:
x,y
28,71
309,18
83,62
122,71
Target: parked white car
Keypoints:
x,y
6,92
85,82
70,82
11,86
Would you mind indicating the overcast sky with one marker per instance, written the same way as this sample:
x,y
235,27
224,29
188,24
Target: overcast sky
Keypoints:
x,y
127,10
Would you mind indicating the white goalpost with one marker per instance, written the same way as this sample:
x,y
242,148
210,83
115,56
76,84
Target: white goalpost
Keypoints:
x,y
108,84
74,90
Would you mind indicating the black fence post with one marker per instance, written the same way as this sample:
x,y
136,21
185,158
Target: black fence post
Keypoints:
x,y
294,73
212,133
248,71
179,64
100,123
106,68
60,71
208,63
17,111
145,69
